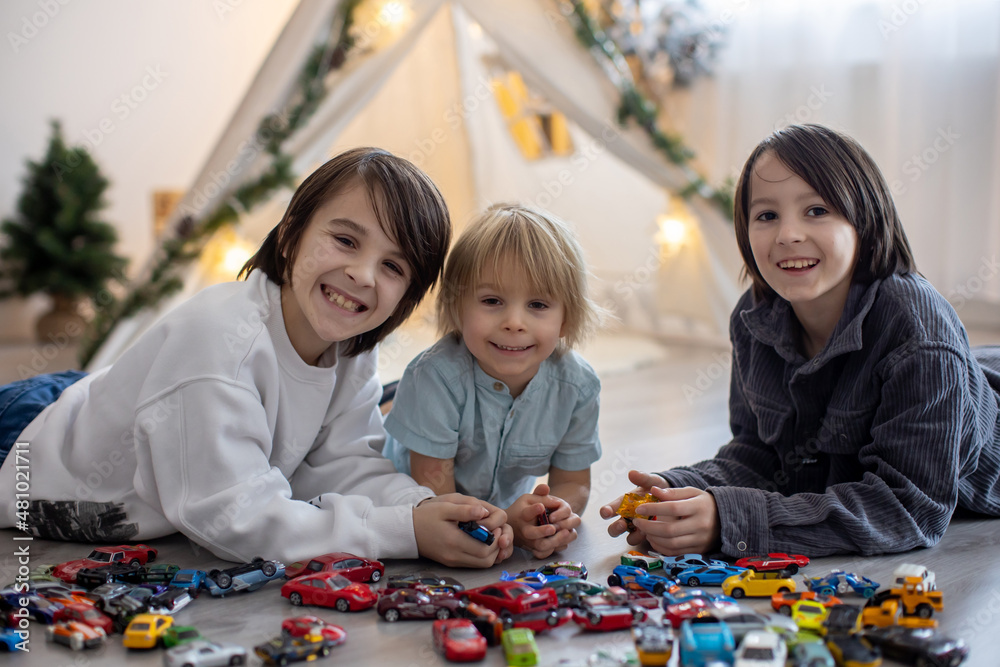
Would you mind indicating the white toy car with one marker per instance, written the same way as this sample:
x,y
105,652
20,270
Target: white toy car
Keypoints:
x,y
761,648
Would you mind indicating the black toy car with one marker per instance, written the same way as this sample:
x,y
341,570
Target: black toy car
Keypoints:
x,y
922,646
92,577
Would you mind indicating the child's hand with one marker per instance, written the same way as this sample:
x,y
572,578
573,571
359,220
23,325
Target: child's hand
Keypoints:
x,y
687,521
435,524
644,482
542,541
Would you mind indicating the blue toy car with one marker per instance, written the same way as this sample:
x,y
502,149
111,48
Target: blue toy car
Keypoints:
x,y
841,582
476,531
674,564
712,575
535,580
706,639
630,576
247,577
9,639
192,580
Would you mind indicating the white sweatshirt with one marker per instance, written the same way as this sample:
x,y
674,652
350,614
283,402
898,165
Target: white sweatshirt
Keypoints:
x,y
212,425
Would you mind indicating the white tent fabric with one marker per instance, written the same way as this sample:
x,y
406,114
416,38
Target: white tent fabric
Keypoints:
x,y
427,96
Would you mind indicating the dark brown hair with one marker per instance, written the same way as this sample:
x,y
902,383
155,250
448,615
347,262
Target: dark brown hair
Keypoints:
x,y
408,206
849,182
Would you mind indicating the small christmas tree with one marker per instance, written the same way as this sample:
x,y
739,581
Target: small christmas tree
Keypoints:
x,y
55,243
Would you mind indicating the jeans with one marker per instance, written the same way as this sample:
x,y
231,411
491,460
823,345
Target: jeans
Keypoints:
x,y
22,401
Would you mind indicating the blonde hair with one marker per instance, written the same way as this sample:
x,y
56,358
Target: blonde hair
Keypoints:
x,y
541,245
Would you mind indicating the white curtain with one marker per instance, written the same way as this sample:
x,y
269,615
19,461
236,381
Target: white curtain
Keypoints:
x,y
916,82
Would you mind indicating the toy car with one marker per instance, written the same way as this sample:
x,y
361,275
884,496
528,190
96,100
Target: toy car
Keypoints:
x,y
11,640
609,618
507,597
180,634
411,603
161,573
531,578
121,610
458,640
809,615
485,620
84,613
146,631
711,575
632,500
628,576
570,592
169,601
38,608
761,648
426,581
918,645
92,577
300,626
649,561
915,597
811,654
842,582
205,653
329,589
853,651
566,568
757,584
76,635
476,531
107,592
740,620
246,577
134,555
59,591
674,564
782,602
842,619
347,565
705,639
905,570
654,643
191,580
777,561
538,621
676,612
284,649
519,647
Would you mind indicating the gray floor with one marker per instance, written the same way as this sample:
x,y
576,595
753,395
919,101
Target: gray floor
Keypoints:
x,y
669,413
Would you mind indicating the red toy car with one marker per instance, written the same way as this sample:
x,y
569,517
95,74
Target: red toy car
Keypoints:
x,y
606,619
329,589
459,640
300,626
699,605
134,555
510,597
411,603
538,621
774,562
84,613
353,567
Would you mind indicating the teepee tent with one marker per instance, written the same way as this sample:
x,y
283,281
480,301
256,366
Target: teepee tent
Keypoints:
x,y
434,82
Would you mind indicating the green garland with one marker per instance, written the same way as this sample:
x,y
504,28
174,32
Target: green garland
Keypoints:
x,y
635,105
190,235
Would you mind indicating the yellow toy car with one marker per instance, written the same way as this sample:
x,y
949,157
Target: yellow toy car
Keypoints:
x,y
757,584
519,647
809,615
146,631
653,643
632,500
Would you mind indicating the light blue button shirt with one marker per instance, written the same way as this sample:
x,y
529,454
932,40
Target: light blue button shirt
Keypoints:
x,y
447,407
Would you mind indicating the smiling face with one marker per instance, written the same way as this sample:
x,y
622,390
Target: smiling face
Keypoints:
x,y
509,327
804,250
348,276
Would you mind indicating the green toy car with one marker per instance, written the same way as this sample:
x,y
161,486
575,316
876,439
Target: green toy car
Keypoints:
x,y
519,646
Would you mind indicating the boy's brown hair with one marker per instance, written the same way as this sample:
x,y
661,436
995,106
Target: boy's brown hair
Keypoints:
x,y
408,206
846,177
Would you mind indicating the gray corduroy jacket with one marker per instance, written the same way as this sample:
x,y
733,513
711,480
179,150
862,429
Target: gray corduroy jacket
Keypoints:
x,y
869,446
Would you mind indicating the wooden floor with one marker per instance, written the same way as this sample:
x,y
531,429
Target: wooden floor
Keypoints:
x,y
670,413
